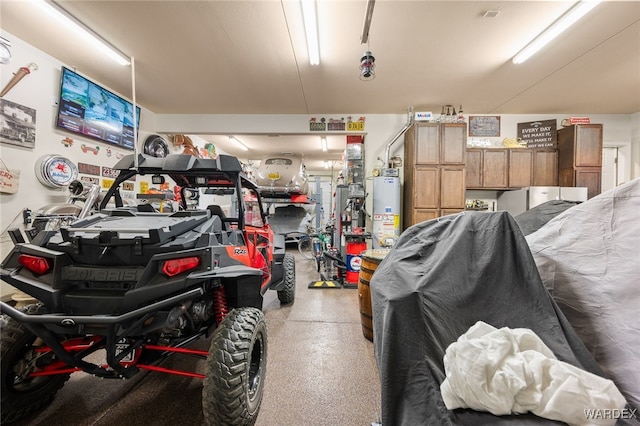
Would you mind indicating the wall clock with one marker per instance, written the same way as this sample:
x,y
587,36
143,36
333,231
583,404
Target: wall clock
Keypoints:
x,y
55,171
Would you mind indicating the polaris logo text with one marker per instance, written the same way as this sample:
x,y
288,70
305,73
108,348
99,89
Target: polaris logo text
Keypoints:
x,y
86,274
240,252
610,413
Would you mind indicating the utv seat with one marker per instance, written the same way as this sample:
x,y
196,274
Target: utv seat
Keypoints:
x,y
146,208
216,210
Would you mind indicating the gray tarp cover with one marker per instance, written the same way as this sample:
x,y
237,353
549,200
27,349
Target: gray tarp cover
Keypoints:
x,y
440,278
535,218
589,259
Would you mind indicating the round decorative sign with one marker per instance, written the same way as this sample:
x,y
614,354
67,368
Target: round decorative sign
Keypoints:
x,y
55,171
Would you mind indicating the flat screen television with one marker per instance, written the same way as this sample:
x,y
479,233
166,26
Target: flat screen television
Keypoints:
x,y
91,110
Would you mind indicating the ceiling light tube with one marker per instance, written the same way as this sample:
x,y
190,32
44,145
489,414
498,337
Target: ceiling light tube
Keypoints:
x,y
565,21
83,31
323,142
237,142
311,30
368,14
326,164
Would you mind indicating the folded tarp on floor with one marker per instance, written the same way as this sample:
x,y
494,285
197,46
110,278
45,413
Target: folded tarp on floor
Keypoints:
x,y
589,259
441,277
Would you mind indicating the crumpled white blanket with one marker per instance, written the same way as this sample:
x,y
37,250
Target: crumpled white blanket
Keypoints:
x,y
511,371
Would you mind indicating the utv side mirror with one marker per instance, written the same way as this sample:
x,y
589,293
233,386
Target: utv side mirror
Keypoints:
x,y
157,179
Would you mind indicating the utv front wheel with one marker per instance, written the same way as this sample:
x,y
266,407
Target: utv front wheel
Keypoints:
x,y
23,395
288,292
236,368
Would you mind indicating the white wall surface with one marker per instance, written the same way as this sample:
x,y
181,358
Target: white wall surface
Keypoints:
x,y
634,130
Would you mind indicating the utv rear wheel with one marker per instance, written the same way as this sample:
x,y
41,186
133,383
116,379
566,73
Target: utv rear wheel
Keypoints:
x,y
288,292
22,395
236,368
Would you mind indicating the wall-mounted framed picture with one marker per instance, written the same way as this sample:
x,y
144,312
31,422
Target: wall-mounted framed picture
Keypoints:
x,y
17,124
484,125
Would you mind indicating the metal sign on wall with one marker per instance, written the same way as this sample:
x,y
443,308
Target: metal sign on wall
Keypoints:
x,y
539,134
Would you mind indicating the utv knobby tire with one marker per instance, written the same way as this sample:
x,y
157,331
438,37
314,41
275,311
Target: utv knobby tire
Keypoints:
x,y
288,292
236,369
21,398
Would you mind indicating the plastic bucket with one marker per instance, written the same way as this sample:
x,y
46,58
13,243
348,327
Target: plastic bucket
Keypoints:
x,y
370,261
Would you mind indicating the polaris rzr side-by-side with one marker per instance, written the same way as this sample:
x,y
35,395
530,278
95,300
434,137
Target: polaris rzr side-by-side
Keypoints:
x,y
134,287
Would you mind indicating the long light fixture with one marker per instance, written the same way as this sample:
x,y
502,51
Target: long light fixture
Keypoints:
x,y
237,142
366,25
311,30
83,31
323,142
565,21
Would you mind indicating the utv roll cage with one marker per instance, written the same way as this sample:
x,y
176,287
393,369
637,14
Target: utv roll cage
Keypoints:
x,y
188,172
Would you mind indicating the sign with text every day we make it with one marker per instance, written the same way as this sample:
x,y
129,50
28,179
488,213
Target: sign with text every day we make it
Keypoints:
x,y
539,134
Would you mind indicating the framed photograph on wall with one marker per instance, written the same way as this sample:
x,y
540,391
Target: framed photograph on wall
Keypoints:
x,y
484,125
17,124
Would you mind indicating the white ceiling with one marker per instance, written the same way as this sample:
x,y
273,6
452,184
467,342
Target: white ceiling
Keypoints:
x,y
249,57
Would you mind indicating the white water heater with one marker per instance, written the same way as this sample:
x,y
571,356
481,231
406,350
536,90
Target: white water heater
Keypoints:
x,y
386,211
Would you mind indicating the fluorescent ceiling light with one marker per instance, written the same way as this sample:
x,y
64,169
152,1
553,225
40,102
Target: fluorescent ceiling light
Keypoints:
x,y
83,31
311,30
326,164
368,14
565,21
237,142
323,141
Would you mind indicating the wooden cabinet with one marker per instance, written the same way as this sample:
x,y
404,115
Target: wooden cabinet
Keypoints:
x,y
427,144
434,171
427,195
495,168
474,168
591,178
453,144
487,168
580,146
588,177
452,187
446,212
511,168
520,167
545,168
580,157
420,215
435,144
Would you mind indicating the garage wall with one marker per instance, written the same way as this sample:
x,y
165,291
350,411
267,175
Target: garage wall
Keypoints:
x,y
39,91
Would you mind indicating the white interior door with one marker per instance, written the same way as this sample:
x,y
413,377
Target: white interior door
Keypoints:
x,y
609,167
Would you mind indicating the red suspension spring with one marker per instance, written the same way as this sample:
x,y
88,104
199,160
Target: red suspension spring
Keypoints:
x,y
220,308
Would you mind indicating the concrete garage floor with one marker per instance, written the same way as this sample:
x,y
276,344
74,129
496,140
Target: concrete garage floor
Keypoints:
x,y
320,371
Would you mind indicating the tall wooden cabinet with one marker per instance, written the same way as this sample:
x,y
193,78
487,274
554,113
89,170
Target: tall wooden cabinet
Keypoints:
x,y
434,171
580,157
